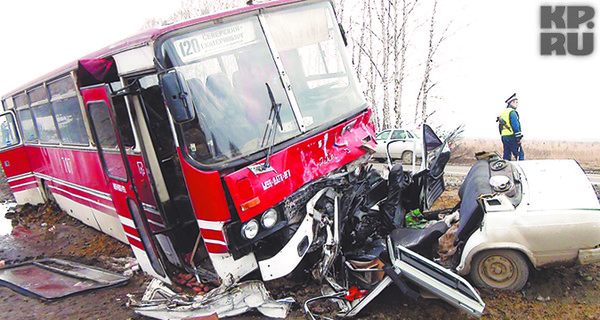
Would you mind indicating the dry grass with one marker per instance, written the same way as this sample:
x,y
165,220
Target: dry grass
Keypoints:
x,y
586,153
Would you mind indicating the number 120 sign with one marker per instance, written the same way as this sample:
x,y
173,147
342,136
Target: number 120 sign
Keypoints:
x,y
214,40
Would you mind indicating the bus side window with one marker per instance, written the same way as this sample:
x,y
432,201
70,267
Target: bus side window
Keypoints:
x,y
26,120
44,122
43,117
67,112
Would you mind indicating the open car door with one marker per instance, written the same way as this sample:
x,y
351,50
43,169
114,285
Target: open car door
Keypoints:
x,y
427,184
432,181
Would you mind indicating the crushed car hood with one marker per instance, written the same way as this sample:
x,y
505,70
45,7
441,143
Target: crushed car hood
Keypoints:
x,y
556,185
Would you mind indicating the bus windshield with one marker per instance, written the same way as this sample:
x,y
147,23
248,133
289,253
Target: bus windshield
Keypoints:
x,y
283,70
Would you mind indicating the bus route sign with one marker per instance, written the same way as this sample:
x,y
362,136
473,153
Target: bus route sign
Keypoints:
x,y
215,41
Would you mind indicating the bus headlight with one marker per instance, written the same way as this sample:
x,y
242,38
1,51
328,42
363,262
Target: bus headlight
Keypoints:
x,y
250,229
269,218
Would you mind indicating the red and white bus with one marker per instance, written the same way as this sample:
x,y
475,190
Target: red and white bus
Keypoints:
x,y
97,137
201,144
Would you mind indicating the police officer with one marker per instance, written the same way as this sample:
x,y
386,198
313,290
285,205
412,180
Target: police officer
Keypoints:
x,y
510,129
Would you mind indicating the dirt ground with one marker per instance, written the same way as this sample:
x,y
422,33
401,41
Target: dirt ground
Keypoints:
x,y
45,231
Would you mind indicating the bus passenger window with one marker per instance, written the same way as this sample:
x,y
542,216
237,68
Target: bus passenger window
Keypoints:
x,y
70,121
67,110
42,115
24,116
44,121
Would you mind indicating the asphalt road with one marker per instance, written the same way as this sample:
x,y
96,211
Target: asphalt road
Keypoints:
x,y
463,170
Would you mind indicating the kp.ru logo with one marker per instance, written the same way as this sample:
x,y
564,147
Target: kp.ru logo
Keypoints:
x,y
566,29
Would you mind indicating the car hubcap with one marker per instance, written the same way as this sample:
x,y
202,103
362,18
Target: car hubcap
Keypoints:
x,y
498,269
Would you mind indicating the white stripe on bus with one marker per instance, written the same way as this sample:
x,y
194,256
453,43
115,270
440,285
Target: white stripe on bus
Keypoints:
x,y
219,242
20,177
84,198
24,184
77,187
211,225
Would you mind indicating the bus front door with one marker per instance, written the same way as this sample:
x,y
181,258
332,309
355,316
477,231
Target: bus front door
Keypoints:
x,y
15,164
101,113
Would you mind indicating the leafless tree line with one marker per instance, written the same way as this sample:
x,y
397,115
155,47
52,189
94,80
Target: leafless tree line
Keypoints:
x,y
189,9
393,45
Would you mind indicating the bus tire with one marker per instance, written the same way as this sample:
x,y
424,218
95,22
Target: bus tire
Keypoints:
x,y
48,193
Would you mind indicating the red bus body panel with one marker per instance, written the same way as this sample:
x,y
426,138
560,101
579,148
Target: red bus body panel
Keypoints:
x,y
293,167
301,163
209,203
78,166
75,174
16,166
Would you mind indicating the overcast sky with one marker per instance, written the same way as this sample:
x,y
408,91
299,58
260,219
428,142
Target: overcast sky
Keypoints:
x,y
38,36
495,54
498,53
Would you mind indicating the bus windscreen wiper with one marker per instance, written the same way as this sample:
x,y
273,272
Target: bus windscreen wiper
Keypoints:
x,y
271,129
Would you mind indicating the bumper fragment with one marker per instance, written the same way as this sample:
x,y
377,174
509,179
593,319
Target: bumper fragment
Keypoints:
x,y
586,256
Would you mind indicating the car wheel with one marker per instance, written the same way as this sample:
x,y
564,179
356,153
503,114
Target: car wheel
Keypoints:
x,y
500,269
407,157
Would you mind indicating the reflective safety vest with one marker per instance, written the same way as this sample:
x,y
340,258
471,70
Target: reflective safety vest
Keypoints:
x,y
507,129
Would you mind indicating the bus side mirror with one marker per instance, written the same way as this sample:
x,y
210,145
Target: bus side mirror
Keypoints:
x,y
177,95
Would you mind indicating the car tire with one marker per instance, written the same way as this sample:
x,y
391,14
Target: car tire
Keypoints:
x,y
407,157
500,269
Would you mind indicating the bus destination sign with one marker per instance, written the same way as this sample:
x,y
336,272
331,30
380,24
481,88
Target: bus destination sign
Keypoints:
x,y
211,42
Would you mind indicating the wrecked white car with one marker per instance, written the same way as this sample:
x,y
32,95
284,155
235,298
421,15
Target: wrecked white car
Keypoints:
x,y
514,215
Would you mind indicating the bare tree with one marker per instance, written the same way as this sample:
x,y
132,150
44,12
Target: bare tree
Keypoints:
x,y
339,9
382,53
426,83
365,58
400,48
372,68
189,9
385,17
382,47
363,47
